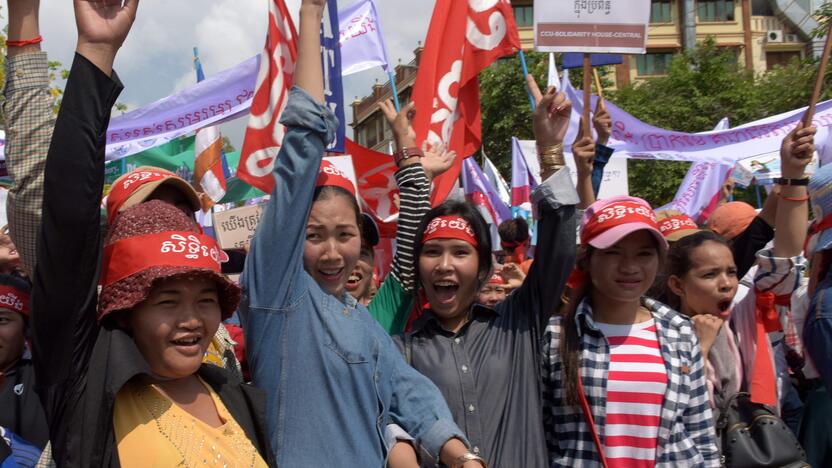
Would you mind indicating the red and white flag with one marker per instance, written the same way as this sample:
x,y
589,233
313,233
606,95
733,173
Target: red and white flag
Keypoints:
x,y
465,37
264,134
209,177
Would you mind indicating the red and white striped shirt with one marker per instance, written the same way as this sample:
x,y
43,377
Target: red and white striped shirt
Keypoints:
x,y
636,385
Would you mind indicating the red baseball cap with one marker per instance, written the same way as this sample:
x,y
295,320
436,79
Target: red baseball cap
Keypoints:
x,y
137,185
608,221
329,175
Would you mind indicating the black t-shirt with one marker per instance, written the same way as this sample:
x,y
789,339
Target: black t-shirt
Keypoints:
x,y
20,408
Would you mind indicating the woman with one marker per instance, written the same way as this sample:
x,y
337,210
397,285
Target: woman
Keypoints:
x,y
702,284
121,376
333,375
634,362
485,360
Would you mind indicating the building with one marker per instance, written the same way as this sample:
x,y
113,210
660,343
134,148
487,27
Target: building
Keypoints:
x,y
764,33
370,128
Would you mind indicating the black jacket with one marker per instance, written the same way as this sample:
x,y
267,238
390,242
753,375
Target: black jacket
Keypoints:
x,y
20,409
81,365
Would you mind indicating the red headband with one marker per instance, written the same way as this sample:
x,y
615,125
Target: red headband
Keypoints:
x,y
817,226
450,227
616,214
518,249
14,299
497,279
674,224
330,175
133,255
120,192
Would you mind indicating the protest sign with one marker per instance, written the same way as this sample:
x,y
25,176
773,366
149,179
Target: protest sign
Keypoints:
x,y
331,61
591,26
235,228
362,43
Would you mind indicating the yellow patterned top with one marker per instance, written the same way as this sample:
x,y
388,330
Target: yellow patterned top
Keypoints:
x,y
152,431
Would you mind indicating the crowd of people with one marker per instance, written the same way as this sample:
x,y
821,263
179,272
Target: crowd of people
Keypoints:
x,y
642,341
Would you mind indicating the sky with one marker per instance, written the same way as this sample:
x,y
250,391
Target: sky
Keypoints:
x,y
157,58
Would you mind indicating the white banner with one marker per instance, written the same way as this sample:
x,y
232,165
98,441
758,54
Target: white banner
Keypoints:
x,y
592,26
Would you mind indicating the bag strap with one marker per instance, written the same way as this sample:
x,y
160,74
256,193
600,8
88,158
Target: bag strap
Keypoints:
x,y
590,421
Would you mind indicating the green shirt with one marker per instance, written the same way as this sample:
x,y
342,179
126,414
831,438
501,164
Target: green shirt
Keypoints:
x,y
391,306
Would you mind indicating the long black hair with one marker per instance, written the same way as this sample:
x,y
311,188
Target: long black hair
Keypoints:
x,y
679,262
468,212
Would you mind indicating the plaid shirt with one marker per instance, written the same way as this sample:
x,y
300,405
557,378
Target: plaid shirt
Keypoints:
x,y
686,431
29,124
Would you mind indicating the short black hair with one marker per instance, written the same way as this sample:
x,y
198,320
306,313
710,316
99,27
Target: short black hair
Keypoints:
x,y
514,231
468,212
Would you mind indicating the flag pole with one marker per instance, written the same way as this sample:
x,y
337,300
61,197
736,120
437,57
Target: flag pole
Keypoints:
x,y
525,74
598,88
587,85
824,61
392,76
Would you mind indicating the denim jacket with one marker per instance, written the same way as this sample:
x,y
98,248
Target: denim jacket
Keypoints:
x,y
333,376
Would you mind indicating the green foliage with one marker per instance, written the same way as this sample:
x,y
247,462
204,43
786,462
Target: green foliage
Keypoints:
x,y
702,86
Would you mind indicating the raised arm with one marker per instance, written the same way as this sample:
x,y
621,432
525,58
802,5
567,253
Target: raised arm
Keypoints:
x,y
792,207
66,276
275,257
392,304
29,124
555,200
583,150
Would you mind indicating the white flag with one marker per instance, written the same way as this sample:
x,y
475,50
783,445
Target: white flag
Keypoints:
x,y
362,44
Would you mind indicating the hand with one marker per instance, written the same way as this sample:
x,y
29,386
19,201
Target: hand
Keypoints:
x,y
707,328
103,26
727,191
513,275
551,114
602,121
437,159
796,151
400,122
583,150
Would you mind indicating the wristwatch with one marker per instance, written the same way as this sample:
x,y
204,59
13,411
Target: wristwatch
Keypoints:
x,y
466,457
407,153
803,182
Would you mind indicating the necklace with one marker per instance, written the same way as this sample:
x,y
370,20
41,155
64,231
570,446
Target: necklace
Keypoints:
x,y
182,431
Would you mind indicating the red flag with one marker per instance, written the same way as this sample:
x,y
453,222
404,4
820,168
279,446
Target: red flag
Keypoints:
x,y
375,175
464,38
264,134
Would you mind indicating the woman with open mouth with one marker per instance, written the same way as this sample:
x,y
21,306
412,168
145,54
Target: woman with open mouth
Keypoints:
x,y
121,374
334,377
702,283
485,360
623,375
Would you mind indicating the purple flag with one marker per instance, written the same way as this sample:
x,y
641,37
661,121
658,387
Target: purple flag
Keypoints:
x,y
362,43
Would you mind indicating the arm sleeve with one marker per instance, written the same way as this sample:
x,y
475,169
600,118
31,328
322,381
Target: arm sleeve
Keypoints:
x,y
414,196
64,296
275,258
749,242
697,417
29,124
393,302
602,157
537,298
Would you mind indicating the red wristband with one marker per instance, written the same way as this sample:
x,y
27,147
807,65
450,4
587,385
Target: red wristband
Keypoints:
x,y
36,40
795,199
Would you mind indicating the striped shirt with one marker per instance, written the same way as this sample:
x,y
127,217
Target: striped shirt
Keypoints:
x,y
636,385
686,435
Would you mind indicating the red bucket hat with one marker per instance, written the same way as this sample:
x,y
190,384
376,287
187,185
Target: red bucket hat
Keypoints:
x,y
155,241
135,186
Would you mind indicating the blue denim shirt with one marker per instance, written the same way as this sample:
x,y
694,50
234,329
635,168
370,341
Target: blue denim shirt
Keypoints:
x,y
817,332
334,378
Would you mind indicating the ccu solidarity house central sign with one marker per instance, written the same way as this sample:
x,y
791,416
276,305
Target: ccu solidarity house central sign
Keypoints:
x,y
591,26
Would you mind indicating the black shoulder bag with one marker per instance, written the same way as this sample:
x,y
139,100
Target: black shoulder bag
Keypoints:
x,y
751,435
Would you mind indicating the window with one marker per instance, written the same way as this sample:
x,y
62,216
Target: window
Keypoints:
x,y
372,132
651,64
523,16
761,8
782,59
715,10
660,11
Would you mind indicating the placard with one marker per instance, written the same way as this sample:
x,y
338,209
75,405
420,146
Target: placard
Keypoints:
x,y
591,26
235,228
